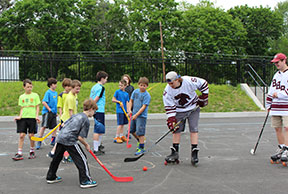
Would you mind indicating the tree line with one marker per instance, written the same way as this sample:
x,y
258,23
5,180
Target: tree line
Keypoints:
x,y
133,25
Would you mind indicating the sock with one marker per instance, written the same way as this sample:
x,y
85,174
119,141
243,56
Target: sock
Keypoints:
x,y
117,135
53,139
96,145
141,145
20,151
121,134
100,140
176,146
31,149
194,146
52,152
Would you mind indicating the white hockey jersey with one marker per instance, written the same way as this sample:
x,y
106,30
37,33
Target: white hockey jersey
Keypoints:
x,y
279,106
184,98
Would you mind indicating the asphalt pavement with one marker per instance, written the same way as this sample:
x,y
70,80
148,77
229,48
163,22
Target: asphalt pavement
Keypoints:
x,y
225,166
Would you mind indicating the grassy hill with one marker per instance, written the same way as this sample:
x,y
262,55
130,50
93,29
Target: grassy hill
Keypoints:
x,y
222,98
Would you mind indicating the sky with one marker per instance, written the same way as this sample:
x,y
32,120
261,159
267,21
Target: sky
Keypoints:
x,y
227,4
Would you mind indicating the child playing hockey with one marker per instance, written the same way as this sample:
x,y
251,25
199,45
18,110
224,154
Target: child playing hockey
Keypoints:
x,y
179,99
121,98
28,116
139,101
66,84
70,108
277,103
98,95
75,129
49,111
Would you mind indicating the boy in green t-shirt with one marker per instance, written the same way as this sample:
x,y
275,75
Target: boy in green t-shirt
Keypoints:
x,y
28,116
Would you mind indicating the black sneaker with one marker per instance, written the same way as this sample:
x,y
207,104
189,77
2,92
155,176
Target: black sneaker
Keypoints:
x,y
99,153
18,157
56,180
101,147
32,155
88,184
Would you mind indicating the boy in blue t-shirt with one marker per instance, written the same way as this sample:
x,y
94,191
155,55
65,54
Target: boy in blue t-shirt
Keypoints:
x,y
122,99
98,95
49,111
140,101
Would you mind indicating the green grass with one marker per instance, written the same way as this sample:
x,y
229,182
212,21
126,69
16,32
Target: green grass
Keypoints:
x,y
222,98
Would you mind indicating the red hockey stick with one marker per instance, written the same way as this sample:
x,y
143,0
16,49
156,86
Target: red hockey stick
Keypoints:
x,y
118,179
128,135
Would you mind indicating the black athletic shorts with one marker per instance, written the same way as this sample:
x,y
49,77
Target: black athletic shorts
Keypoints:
x,y
27,123
49,120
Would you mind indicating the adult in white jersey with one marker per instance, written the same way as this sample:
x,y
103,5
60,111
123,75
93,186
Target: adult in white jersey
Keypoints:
x,y
277,104
179,99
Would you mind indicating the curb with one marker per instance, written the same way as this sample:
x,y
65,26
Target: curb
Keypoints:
x,y
154,116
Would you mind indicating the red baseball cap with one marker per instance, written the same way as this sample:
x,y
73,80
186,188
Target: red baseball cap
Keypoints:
x,y
278,57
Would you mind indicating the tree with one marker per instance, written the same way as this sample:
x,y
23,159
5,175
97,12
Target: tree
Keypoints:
x,y
207,29
261,24
143,20
281,45
4,4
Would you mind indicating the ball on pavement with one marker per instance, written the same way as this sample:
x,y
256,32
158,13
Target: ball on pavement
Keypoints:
x,y
145,168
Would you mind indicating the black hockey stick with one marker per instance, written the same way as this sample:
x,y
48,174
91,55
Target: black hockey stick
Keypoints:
x,y
253,151
160,138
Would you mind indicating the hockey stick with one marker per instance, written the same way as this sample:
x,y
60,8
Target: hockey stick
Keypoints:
x,y
118,179
162,137
42,138
129,120
253,151
128,134
124,112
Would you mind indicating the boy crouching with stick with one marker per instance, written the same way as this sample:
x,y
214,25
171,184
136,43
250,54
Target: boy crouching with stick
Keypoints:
x,y
74,129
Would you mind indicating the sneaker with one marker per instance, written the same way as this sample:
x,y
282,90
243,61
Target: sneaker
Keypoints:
x,y
56,180
32,155
50,155
88,184
38,145
139,151
127,136
118,140
99,152
65,160
69,159
18,157
101,147
123,138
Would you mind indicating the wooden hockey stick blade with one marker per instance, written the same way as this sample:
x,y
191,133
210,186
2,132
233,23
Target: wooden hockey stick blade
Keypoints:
x,y
133,159
115,178
42,138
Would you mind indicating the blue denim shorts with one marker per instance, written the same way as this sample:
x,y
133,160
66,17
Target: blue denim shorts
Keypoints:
x,y
99,120
138,126
121,119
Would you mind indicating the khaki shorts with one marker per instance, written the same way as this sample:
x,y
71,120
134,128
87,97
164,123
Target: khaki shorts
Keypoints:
x,y
279,121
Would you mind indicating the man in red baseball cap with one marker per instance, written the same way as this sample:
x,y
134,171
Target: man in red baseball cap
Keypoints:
x,y
277,104
278,57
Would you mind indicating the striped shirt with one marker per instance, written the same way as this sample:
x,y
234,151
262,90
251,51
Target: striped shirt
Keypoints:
x,y
184,98
279,84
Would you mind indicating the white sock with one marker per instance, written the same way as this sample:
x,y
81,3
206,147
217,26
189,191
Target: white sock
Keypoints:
x,y
121,134
96,145
100,140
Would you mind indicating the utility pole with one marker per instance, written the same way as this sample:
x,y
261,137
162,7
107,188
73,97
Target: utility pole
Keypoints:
x,y
163,64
